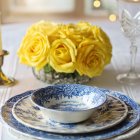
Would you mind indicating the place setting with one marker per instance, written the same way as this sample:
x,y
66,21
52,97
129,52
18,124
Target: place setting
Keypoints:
x,y
70,111
68,91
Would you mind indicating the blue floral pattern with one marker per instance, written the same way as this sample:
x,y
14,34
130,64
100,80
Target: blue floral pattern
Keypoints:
x,y
132,119
108,115
69,97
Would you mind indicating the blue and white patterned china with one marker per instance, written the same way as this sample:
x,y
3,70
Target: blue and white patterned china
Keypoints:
x,y
124,136
113,112
132,119
68,103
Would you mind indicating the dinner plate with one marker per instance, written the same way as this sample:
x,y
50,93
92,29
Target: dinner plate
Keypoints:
x,y
131,120
112,113
127,135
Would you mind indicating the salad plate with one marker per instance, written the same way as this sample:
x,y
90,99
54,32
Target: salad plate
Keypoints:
x,y
131,120
112,113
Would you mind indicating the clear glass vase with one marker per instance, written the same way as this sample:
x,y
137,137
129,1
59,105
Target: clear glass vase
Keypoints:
x,y
54,77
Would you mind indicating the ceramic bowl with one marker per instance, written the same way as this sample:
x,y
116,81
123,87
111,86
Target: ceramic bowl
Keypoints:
x,y
68,103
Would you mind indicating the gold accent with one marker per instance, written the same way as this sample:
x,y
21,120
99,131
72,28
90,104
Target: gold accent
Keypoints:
x,y
4,80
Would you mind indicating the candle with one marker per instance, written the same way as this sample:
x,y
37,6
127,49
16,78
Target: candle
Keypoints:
x,y
0,35
0,42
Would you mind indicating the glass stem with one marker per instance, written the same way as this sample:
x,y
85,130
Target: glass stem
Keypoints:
x,y
133,52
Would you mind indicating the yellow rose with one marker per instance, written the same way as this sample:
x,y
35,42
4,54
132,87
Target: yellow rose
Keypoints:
x,y
63,55
101,36
85,26
48,28
34,50
71,31
86,30
91,58
66,48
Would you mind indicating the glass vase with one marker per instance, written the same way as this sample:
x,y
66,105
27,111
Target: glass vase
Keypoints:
x,y
54,77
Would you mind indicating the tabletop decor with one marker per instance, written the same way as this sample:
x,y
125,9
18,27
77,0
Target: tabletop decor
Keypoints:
x,y
129,16
4,80
58,102
65,53
131,120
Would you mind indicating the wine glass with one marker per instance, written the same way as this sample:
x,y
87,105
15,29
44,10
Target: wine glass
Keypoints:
x,y
129,16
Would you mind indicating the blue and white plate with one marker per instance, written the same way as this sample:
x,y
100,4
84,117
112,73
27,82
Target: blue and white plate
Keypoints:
x,y
132,119
113,112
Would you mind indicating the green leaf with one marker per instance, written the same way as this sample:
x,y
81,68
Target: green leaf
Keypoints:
x,y
48,68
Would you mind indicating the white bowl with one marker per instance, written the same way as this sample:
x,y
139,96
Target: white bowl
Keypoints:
x,y
68,103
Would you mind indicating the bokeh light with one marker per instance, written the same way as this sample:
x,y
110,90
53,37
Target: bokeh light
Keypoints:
x,y
112,17
97,3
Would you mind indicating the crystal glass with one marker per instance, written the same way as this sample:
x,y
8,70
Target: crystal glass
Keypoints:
x,y
129,16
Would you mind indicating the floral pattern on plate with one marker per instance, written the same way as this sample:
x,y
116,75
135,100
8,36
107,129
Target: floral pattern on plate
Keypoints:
x,y
113,112
132,120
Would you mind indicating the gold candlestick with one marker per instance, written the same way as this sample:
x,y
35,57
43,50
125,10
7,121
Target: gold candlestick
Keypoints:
x,y
4,80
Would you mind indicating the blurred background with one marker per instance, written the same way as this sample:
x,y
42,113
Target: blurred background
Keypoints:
x,y
32,10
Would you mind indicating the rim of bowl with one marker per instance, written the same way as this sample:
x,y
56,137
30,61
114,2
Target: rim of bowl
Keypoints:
x,y
55,110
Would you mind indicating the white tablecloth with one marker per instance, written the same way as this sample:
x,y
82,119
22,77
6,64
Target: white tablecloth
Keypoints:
x,y
12,35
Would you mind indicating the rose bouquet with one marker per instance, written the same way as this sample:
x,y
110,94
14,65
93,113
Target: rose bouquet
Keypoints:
x,y
81,49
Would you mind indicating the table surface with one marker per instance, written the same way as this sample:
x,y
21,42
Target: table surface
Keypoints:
x,y
12,35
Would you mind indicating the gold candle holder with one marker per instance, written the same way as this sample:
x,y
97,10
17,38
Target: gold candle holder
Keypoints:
x,y
4,80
